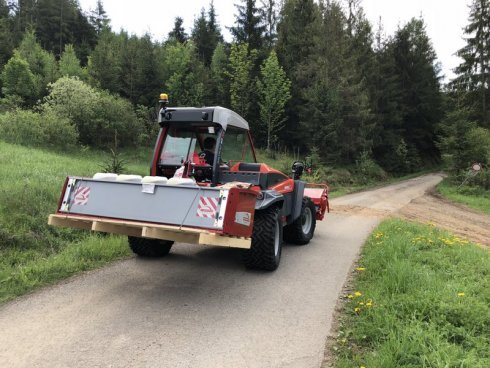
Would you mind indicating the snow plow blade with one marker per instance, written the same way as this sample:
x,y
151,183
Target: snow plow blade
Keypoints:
x,y
182,213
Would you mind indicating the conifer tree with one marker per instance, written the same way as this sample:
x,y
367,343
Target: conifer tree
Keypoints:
x,y
18,80
219,80
69,64
99,19
248,28
178,33
104,65
473,75
421,100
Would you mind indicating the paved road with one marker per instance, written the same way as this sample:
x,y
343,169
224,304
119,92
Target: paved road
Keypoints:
x,y
199,307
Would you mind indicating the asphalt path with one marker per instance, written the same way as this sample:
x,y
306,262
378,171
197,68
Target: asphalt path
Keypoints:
x,y
199,307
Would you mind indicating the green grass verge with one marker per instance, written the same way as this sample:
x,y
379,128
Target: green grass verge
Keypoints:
x,y
421,298
31,252
473,197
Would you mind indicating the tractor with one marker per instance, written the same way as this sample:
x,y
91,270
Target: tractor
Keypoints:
x,y
205,187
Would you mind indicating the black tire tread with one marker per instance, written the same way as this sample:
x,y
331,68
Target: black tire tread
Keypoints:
x,y
261,254
293,233
151,248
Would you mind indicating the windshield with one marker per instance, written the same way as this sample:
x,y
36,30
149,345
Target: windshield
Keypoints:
x,y
183,144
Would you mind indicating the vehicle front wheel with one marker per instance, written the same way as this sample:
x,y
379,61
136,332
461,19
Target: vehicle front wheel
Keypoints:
x,y
301,231
265,253
151,248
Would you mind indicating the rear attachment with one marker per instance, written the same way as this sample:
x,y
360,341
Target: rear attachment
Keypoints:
x,y
183,213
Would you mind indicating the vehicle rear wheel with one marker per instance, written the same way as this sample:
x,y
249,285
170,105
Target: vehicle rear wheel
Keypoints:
x,y
152,248
265,253
302,229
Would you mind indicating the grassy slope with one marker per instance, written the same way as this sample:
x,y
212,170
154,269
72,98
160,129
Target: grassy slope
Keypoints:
x,y
421,298
470,196
33,254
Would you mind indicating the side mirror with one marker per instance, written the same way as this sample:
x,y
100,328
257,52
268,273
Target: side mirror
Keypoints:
x,y
297,169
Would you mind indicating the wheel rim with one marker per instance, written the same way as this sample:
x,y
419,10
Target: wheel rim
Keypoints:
x,y
306,220
277,241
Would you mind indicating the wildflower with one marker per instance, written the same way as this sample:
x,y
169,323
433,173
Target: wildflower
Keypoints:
x,y
460,294
360,269
357,309
361,303
350,296
358,293
369,304
344,340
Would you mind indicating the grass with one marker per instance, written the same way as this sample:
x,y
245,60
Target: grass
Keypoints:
x,y
32,253
473,197
421,298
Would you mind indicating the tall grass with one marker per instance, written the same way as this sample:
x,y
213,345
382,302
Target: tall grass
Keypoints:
x,y
421,298
31,252
472,196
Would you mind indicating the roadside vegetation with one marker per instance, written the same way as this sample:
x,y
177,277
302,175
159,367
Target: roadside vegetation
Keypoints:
x,y
420,298
33,254
473,196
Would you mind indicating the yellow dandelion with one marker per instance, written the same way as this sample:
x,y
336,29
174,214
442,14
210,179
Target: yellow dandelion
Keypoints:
x,y
369,304
360,269
350,296
460,294
357,309
358,293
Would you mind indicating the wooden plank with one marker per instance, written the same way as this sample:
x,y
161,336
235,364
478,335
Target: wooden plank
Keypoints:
x,y
178,236
63,221
224,241
154,231
115,229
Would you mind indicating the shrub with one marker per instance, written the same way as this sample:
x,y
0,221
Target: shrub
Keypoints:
x,y
45,129
368,170
96,114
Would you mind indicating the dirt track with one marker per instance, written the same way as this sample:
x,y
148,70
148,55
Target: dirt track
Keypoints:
x,y
430,207
199,307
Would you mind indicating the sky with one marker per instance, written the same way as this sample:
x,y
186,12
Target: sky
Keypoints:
x,y
445,19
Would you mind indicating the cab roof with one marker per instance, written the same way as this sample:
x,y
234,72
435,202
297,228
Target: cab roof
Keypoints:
x,y
217,114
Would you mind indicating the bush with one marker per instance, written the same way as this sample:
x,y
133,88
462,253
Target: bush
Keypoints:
x,y
368,170
45,129
96,114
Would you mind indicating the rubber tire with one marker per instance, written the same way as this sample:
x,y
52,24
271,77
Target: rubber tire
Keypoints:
x,y
293,233
151,248
262,254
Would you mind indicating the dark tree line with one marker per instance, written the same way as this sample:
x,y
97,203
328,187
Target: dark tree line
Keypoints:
x,y
353,93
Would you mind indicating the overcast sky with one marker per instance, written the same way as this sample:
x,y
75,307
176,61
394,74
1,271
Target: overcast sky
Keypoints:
x,y
445,19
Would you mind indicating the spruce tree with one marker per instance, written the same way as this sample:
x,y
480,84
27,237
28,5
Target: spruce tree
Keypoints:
x,y
202,38
18,80
220,85
69,64
249,28
98,18
473,75
104,65
178,34
420,96
6,33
